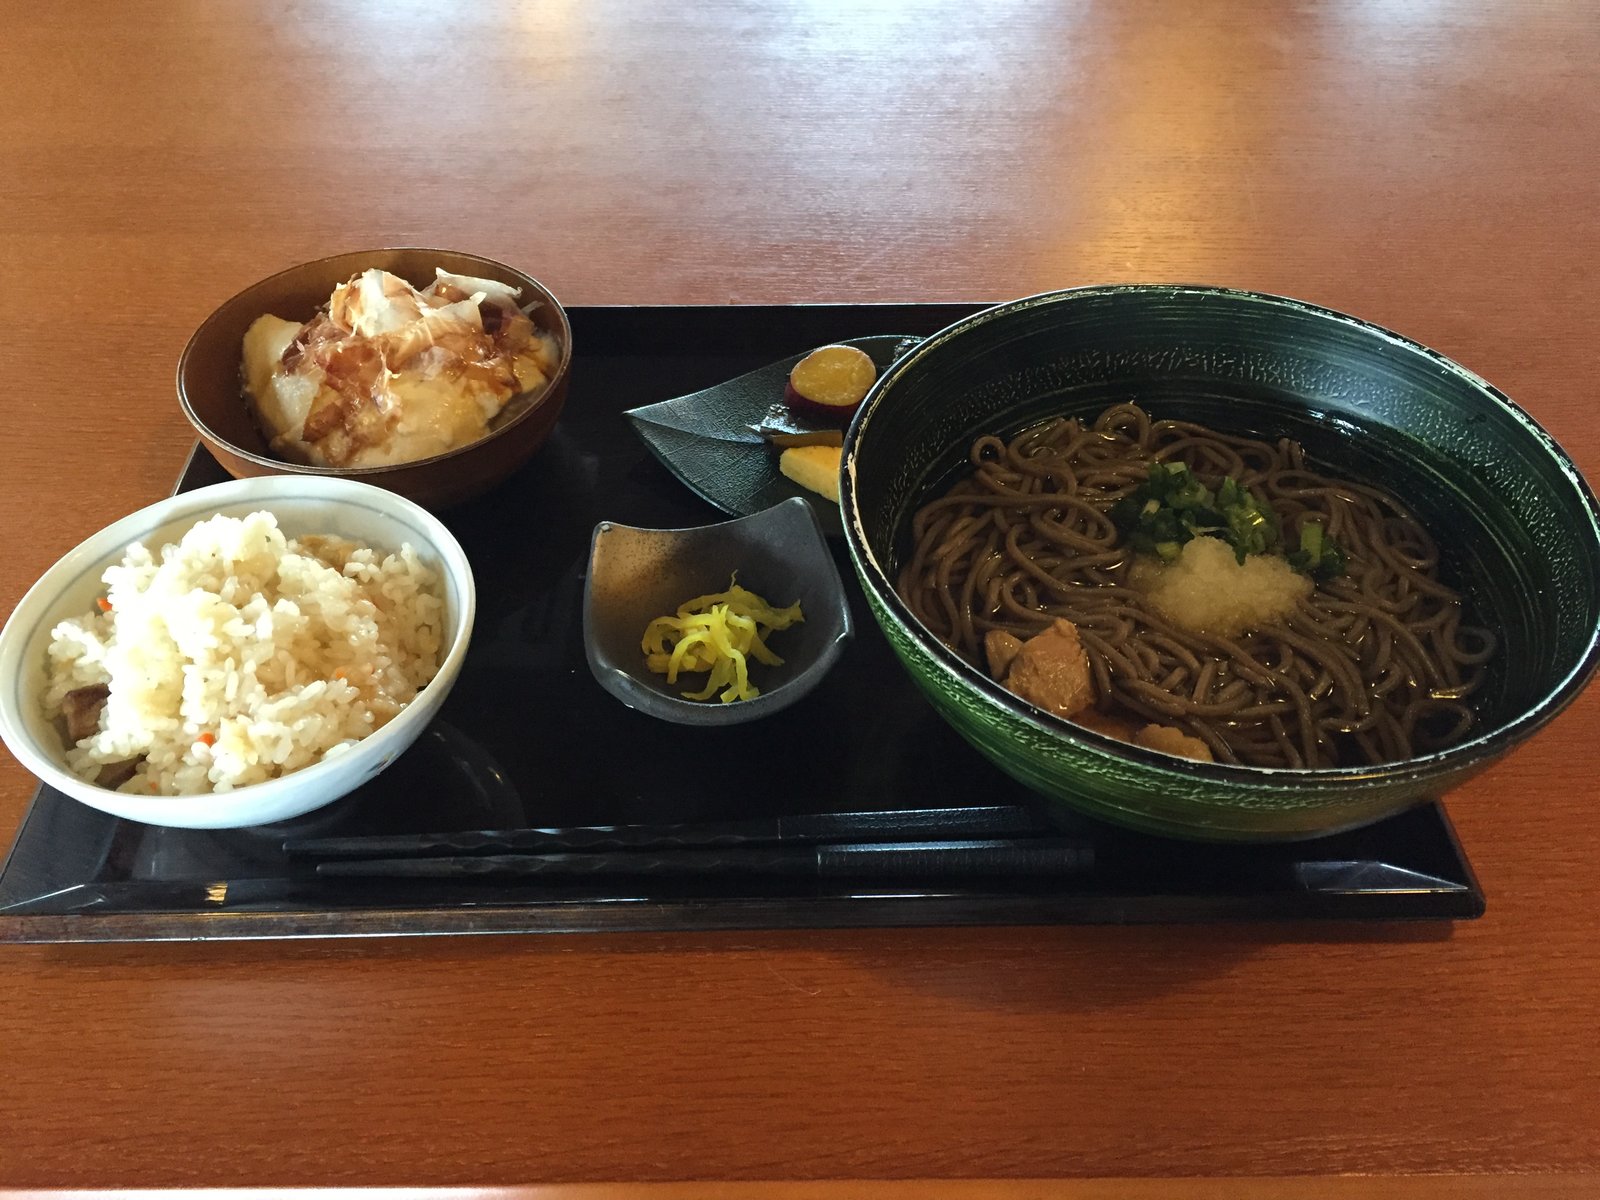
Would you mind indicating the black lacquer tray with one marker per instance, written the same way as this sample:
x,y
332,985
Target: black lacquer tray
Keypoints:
x,y
529,738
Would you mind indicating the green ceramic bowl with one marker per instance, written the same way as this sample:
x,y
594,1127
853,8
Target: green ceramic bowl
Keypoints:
x,y
1519,526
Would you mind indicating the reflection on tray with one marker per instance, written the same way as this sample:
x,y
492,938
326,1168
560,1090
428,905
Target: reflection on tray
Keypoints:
x,y
442,762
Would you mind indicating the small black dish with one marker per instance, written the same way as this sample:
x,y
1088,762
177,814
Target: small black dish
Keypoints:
x,y
708,439
636,575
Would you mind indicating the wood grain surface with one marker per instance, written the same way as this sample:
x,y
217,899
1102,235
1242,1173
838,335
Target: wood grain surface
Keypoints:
x,y
1432,166
1256,1187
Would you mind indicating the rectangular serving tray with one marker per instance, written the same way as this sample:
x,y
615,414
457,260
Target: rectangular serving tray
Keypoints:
x,y
529,738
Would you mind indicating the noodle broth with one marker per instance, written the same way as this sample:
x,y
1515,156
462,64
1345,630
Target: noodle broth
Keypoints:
x,y
1380,663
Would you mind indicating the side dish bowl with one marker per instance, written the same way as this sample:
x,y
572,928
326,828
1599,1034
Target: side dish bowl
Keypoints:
x,y
1520,529
302,505
210,386
636,575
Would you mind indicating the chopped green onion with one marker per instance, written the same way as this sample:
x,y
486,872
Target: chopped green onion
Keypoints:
x,y
1173,506
1319,555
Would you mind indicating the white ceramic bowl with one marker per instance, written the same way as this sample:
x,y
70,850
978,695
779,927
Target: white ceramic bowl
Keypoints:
x,y
303,505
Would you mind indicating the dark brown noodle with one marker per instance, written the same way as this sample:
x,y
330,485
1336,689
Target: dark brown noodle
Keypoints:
x,y
1374,667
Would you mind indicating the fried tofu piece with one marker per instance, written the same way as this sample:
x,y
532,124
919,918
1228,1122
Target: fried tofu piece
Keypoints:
x,y
1050,669
1168,740
1000,647
1109,724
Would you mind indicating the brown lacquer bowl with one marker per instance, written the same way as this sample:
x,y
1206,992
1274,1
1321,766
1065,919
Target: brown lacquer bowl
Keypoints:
x,y
211,392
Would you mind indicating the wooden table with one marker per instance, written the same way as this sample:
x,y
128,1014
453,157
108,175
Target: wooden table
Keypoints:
x,y
1432,167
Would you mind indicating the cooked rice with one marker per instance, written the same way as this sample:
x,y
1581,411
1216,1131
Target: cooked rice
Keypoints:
x,y
285,651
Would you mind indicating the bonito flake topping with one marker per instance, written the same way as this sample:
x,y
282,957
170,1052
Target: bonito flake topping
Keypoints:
x,y
385,373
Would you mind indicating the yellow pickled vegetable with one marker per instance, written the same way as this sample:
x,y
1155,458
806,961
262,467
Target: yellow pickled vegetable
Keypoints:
x,y
718,633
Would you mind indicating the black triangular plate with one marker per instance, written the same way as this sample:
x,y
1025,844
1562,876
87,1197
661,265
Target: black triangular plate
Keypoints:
x,y
706,438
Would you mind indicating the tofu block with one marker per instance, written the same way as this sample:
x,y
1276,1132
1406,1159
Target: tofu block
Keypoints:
x,y
813,467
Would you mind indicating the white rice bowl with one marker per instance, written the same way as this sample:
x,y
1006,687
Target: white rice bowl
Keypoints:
x,y
239,655
310,676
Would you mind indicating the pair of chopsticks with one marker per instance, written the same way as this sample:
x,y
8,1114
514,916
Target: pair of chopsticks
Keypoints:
x,y
938,843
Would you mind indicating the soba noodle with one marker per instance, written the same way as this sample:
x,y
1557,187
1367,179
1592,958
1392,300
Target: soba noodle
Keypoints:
x,y
1375,666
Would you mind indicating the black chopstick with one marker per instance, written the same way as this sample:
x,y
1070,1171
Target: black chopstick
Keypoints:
x,y
988,858
899,825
